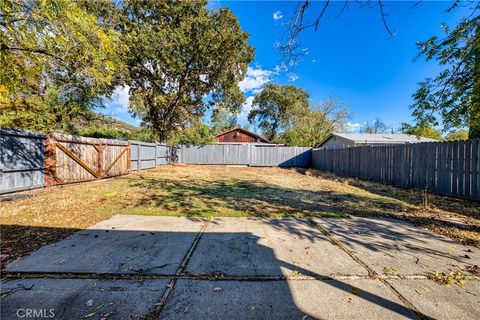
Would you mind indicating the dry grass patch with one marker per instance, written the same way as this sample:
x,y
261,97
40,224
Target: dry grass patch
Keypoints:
x,y
52,213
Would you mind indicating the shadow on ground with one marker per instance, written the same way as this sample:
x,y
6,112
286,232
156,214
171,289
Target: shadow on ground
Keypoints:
x,y
147,252
413,197
260,199
17,241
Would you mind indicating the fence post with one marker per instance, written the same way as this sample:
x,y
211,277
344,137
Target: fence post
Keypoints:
x,y
50,161
99,148
129,157
139,163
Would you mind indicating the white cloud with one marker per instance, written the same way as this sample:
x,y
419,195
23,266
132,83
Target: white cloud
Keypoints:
x,y
353,127
255,79
277,15
279,68
292,77
246,107
120,98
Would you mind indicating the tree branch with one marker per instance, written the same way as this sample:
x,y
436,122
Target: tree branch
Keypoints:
x,y
4,47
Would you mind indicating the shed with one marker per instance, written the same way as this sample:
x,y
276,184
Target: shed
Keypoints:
x,y
240,135
346,140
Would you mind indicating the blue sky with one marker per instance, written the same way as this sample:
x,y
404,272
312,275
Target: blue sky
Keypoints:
x,y
351,57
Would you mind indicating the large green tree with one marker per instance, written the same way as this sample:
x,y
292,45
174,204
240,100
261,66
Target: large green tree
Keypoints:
x,y
197,134
422,130
284,115
182,59
56,62
276,107
223,120
457,135
312,127
453,96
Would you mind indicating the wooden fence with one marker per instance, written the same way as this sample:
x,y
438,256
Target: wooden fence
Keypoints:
x,y
22,155
31,160
246,154
74,159
451,168
146,155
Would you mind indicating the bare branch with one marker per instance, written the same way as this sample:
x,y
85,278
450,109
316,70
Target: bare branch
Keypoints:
x,y
37,51
384,19
317,21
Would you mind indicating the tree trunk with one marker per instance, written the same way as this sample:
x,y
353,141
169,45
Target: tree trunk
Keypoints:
x,y
474,130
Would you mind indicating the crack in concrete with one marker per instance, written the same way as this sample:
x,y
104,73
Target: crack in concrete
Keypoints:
x,y
370,271
157,308
7,276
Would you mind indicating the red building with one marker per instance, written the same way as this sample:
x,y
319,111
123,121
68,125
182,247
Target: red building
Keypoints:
x,y
240,135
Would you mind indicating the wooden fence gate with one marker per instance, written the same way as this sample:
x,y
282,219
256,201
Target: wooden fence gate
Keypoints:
x,y
75,159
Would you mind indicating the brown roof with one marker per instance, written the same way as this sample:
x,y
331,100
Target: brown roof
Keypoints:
x,y
256,136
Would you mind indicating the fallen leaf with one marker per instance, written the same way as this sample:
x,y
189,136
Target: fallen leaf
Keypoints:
x,y
106,315
89,303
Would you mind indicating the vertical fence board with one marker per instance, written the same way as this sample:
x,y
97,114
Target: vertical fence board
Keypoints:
x,y
475,187
468,169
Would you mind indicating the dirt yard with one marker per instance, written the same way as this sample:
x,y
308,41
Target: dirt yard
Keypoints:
x,y
51,214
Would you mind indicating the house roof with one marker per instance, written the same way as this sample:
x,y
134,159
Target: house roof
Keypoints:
x,y
256,136
381,138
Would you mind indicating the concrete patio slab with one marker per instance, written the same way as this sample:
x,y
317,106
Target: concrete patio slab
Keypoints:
x,y
78,299
359,299
254,246
122,244
398,247
440,302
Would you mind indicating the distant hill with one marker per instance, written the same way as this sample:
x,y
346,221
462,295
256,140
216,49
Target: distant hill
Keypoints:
x,y
99,120
97,125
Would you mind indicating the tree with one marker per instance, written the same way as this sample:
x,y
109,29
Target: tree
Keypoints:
x,y
454,94
376,127
56,62
223,120
182,59
457,135
276,107
314,126
198,134
423,130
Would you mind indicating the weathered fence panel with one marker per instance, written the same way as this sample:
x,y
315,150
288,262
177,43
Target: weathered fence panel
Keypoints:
x,y
234,154
22,157
280,156
75,159
162,154
451,168
145,155
246,154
